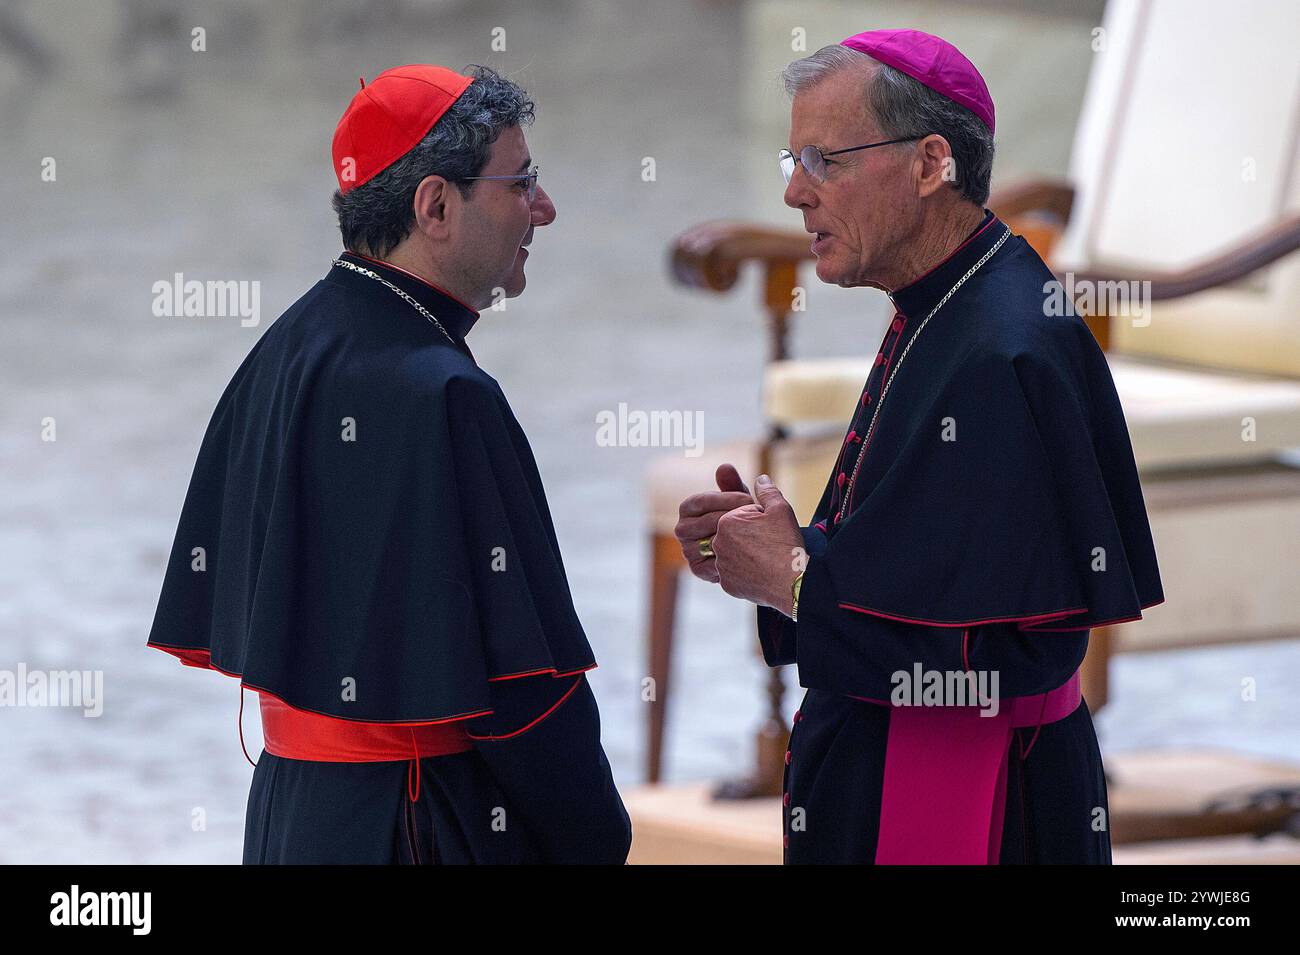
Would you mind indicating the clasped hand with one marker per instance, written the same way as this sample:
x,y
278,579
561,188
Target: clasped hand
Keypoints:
x,y
757,546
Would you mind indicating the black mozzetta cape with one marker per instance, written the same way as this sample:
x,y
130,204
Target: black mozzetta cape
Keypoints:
x,y
376,543
999,485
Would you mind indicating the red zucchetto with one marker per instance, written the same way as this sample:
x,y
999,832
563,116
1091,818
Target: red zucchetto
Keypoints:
x,y
386,119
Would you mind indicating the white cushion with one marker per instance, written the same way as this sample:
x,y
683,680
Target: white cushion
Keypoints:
x,y
1176,415
1185,416
799,391
801,466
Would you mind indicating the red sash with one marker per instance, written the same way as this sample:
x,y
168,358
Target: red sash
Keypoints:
x,y
298,734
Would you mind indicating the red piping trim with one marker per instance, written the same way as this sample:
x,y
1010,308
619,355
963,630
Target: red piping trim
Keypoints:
x,y
1054,615
179,653
965,657
992,219
1091,626
416,760
424,281
862,455
1020,742
1024,834
840,460
1100,623
525,729
1029,620
551,670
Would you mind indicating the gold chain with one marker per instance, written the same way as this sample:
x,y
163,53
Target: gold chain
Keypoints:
x,y
871,427
342,263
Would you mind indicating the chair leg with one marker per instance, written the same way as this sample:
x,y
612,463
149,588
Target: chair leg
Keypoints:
x,y
773,736
1094,674
770,743
666,564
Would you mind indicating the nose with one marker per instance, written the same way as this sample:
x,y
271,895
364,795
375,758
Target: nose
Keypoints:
x,y
543,209
798,191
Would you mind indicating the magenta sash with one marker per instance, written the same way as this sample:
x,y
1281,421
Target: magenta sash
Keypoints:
x,y
945,784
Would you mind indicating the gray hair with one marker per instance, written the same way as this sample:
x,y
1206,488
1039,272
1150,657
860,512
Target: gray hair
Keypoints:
x,y
903,106
378,214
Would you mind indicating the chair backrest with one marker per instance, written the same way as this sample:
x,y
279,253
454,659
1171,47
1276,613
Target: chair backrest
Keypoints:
x,y
1187,144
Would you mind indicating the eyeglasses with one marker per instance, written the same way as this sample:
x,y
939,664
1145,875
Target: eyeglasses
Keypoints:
x,y
813,159
530,177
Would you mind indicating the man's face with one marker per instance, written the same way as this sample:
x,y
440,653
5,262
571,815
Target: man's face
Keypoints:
x,y
864,209
498,220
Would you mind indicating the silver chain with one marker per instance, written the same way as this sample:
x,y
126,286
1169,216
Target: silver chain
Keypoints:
x,y
343,263
871,427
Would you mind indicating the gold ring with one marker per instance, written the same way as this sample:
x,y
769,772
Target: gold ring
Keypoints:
x,y
706,547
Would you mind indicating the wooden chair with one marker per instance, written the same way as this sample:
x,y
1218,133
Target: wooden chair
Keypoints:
x,y
711,257
1212,230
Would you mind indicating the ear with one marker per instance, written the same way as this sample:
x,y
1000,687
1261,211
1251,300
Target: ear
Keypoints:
x,y
937,165
436,203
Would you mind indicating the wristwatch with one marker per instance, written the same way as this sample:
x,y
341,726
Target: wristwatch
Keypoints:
x,y
794,592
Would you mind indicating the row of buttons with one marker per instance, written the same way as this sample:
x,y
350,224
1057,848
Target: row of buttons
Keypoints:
x,y
895,327
785,796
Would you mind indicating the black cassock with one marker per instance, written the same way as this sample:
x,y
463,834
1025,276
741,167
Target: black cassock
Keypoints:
x,y
996,518
366,539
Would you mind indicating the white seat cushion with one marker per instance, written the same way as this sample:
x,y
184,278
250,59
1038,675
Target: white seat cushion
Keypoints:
x,y
1176,415
1185,416
800,467
802,391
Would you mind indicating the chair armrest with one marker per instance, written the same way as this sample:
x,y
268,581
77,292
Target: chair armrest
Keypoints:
x,y
1248,256
1052,197
709,255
